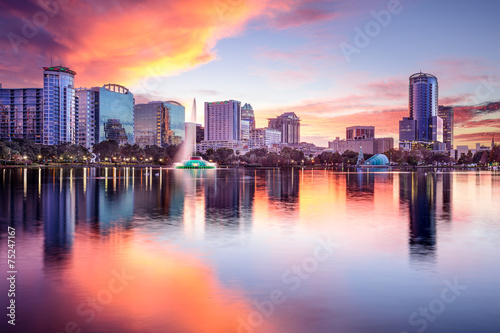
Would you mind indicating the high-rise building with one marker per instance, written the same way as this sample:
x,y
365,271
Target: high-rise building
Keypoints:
x,y
117,103
423,103
423,124
245,130
21,113
289,126
159,123
59,122
222,121
87,117
447,113
177,120
248,114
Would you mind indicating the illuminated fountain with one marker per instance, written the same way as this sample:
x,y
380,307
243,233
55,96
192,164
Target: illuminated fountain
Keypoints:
x,y
187,153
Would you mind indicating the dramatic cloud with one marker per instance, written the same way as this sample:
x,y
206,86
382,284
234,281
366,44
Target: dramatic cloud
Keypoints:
x,y
125,41
328,119
480,137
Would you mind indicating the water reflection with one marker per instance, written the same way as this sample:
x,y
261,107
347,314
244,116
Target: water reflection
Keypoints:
x,y
425,193
186,237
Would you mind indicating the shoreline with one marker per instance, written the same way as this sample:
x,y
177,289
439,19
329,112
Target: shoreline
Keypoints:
x,y
308,167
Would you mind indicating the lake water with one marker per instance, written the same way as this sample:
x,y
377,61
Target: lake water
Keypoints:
x,y
216,251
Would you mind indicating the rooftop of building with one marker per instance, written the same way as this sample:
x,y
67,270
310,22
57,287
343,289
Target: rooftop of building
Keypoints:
x,y
360,126
113,87
221,102
420,74
59,69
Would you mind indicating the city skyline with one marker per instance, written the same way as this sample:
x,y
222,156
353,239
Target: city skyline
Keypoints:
x,y
319,60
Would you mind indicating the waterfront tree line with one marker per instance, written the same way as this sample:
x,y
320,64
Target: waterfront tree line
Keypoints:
x,y
20,151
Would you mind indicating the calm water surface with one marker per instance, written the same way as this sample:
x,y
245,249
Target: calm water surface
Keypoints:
x,y
216,251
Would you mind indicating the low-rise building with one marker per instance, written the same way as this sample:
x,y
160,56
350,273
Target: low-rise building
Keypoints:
x,y
369,146
264,137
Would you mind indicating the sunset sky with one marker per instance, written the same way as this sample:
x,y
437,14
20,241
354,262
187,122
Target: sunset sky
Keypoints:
x,y
288,55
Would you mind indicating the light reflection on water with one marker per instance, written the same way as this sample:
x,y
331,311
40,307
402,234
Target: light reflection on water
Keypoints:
x,y
205,249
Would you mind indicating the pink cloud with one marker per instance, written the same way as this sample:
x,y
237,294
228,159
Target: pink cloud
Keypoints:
x,y
301,16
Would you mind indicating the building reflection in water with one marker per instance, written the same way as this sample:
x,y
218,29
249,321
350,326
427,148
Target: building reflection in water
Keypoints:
x,y
360,185
283,186
426,194
59,207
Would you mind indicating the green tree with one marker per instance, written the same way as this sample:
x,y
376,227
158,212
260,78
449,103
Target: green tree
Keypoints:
x,y
395,155
4,151
350,157
272,159
224,155
106,149
131,151
495,154
465,158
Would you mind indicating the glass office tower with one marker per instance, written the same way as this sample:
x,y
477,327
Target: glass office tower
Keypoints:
x,y
423,104
159,123
21,114
116,111
59,105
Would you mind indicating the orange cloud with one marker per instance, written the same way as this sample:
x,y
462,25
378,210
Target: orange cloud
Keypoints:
x,y
125,41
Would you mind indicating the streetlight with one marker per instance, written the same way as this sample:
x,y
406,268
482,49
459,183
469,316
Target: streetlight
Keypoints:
x,y
25,159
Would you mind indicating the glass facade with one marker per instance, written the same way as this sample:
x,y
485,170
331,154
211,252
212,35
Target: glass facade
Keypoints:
x,y
407,129
423,104
177,120
248,114
245,130
448,115
59,114
21,114
116,103
159,123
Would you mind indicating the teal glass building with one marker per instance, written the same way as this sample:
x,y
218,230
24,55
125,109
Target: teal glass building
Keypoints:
x,y
116,107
